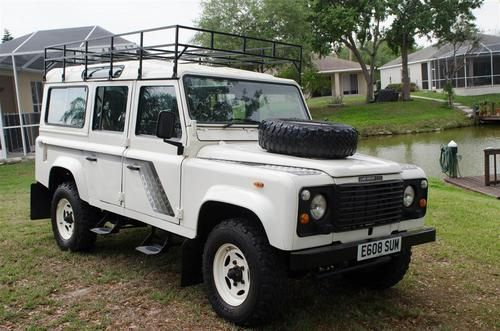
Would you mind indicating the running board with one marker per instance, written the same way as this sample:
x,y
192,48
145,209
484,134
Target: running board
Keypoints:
x,y
154,244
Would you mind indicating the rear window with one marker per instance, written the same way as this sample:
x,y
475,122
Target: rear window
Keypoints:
x,y
66,106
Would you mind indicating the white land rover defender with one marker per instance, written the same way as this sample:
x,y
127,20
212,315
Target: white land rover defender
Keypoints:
x,y
226,159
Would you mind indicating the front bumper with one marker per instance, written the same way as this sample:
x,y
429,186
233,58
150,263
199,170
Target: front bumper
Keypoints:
x,y
311,258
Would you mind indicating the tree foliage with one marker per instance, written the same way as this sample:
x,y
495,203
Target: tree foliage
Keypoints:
x,y
6,36
431,18
280,20
355,24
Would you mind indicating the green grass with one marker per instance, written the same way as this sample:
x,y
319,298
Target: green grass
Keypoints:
x,y
465,100
389,117
322,102
451,284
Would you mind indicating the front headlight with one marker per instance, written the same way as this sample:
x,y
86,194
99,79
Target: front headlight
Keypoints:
x,y
408,196
318,207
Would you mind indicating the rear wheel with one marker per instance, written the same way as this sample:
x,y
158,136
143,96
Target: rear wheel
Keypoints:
x,y
382,276
72,219
244,276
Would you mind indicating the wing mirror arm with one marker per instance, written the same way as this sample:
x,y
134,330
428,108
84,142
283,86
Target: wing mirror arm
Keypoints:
x,y
165,129
178,144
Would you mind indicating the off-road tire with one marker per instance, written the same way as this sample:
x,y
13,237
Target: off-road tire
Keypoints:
x,y
267,272
310,139
382,276
85,218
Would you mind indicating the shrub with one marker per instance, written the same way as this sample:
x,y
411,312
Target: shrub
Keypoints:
x,y
399,87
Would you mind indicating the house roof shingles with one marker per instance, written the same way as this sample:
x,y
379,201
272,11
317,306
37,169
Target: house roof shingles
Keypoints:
x,y
486,44
331,64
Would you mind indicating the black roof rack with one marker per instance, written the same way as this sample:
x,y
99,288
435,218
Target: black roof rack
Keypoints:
x,y
217,48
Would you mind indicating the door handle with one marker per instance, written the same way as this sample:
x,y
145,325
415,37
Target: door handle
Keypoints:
x,y
91,159
133,167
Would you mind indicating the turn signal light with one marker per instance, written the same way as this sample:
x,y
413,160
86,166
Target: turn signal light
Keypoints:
x,y
422,203
258,184
304,219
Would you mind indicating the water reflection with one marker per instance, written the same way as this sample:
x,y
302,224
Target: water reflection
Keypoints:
x,y
424,149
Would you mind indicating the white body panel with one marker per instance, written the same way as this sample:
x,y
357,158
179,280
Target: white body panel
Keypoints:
x,y
143,178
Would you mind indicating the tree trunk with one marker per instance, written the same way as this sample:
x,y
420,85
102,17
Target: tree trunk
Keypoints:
x,y
366,73
405,78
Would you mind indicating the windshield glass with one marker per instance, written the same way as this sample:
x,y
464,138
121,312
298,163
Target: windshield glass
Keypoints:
x,y
221,100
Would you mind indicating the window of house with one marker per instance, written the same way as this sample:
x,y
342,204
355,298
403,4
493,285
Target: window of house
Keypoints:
x,y
36,96
110,108
66,106
152,101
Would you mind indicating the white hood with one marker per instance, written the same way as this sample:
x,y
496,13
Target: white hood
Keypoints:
x,y
356,165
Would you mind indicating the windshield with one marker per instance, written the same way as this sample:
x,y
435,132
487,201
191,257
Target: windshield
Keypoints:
x,y
221,100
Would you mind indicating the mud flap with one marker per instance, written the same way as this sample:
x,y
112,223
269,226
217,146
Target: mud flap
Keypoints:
x,y
40,202
192,252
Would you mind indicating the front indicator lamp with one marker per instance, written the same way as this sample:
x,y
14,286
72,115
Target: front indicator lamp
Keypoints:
x,y
422,203
304,219
318,206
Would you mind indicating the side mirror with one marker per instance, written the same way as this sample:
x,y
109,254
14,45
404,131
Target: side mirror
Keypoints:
x,y
165,127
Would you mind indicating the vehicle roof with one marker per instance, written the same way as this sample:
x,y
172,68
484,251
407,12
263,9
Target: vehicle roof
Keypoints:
x,y
157,69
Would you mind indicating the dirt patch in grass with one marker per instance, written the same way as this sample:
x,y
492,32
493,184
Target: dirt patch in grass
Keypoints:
x,y
452,284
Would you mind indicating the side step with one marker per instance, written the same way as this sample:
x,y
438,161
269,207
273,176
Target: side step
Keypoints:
x,y
102,229
154,243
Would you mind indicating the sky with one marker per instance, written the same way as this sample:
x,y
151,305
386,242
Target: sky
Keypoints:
x,y
25,16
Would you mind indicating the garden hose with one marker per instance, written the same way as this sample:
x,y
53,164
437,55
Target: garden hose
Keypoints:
x,y
449,161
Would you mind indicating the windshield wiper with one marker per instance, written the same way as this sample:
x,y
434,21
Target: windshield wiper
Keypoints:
x,y
240,121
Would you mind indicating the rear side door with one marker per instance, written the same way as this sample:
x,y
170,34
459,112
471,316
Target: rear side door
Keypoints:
x,y
151,167
107,142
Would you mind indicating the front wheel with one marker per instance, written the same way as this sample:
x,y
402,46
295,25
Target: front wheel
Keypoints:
x,y
72,219
382,276
244,276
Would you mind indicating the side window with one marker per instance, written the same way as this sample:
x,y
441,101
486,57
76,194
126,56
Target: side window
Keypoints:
x,y
152,101
66,106
110,107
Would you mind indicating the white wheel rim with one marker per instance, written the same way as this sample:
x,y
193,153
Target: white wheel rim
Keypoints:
x,y
231,274
65,219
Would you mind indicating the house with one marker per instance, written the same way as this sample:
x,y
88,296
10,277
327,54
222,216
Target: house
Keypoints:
x,y
346,76
21,81
479,65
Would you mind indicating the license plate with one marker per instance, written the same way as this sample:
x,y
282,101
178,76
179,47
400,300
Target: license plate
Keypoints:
x,y
378,248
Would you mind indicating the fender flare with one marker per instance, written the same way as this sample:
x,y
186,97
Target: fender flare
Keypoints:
x,y
251,200
75,167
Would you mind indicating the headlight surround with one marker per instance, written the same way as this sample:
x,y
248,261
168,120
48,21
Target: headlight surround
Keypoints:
x,y
408,196
318,206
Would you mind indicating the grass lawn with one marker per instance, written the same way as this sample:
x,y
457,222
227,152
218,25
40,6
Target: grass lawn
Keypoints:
x,y
452,284
388,117
465,100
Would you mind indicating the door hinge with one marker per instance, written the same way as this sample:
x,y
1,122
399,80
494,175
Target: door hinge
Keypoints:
x,y
121,197
180,213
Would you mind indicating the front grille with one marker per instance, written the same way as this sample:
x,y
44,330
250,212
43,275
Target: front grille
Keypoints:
x,y
367,204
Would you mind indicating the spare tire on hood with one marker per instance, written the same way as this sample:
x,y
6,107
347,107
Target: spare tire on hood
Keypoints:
x,y
311,139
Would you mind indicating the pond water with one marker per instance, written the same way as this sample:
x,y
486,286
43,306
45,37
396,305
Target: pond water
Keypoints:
x,y
424,149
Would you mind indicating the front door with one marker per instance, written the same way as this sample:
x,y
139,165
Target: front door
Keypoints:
x,y
151,167
107,142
